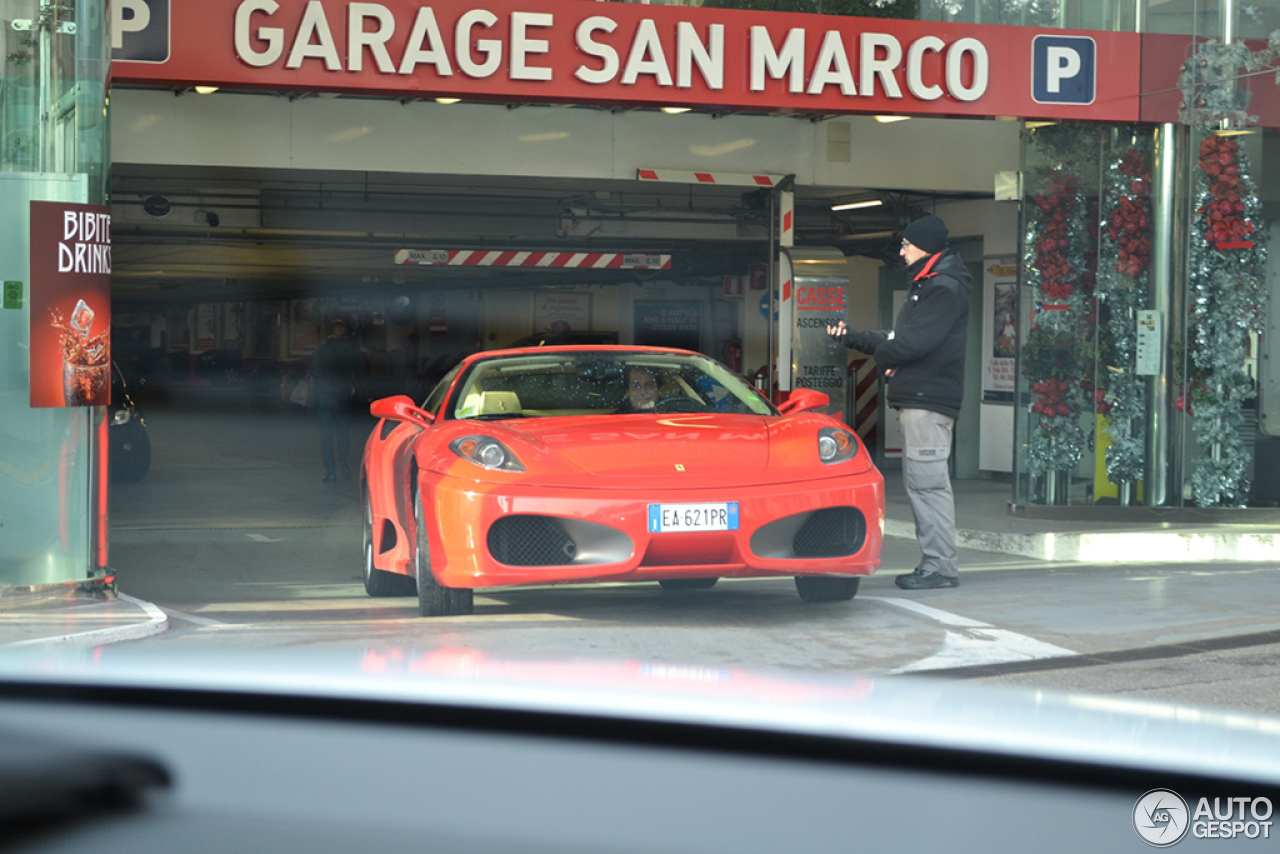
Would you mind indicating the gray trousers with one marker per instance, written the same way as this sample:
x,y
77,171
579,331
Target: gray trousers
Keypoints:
x,y
926,439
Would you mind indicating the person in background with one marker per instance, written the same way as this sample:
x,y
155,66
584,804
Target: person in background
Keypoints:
x,y
922,359
338,373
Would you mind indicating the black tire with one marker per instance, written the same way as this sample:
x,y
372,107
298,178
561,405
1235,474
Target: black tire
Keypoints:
x,y
130,453
434,599
377,582
688,583
826,588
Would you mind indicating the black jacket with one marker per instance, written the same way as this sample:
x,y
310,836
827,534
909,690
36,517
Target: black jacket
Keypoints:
x,y
338,372
922,360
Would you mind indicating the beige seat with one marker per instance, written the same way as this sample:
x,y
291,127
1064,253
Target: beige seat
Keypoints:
x,y
498,403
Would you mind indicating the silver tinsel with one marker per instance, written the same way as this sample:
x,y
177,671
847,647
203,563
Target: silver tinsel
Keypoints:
x,y
1228,294
1057,443
1209,82
1122,295
1227,285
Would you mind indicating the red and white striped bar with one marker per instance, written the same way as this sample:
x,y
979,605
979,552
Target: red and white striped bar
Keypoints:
x,y
727,179
533,260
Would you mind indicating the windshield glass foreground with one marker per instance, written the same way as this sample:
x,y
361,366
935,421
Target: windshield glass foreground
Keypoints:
x,y
546,385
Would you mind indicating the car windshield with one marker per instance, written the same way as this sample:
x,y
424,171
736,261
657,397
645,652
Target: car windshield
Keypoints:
x,y
879,341
542,385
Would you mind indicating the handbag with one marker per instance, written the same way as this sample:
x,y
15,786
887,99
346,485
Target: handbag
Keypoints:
x,y
303,392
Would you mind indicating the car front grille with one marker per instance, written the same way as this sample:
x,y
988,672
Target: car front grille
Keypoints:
x,y
831,532
531,541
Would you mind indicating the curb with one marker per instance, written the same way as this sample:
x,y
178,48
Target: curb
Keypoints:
x,y
158,623
1128,547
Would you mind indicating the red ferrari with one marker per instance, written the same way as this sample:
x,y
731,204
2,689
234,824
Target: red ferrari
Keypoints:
x,y
553,465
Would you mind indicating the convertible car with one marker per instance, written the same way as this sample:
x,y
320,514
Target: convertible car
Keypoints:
x,y
556,465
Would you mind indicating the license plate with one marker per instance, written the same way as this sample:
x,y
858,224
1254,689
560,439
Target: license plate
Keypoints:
x,y
716,516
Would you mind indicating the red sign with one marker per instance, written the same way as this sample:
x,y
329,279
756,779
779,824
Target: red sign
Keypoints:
x,y
820,299
438,328
70,305
623,53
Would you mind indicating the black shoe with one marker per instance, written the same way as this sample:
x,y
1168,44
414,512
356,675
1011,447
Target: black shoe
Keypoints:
x,y
328,478
346,472
925,580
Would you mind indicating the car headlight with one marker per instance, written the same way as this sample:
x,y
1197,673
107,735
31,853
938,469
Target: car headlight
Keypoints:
x,y
836,445
486,452
122,416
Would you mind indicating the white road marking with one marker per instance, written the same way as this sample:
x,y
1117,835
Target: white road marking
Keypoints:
x,y
113,634
263,538
972,642
192,618
938,616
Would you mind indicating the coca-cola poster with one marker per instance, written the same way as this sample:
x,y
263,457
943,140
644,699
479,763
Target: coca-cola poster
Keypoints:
x,y
70,304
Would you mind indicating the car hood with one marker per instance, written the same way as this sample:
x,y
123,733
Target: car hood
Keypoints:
x,y
661,445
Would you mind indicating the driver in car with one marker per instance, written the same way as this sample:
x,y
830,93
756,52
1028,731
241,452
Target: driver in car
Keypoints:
x,y
642,390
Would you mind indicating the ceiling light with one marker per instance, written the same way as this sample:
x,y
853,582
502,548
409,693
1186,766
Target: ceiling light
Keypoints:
x,y
1034,125
671,111
848,206
206,90
1234,131
447,100
884,120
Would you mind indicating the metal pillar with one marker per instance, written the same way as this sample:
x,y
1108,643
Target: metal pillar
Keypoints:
x,y
1167,236
772,285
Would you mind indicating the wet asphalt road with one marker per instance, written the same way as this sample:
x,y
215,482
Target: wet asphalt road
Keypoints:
x,y
234,536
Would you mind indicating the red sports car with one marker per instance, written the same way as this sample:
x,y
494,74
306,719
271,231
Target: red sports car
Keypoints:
x,y
587,464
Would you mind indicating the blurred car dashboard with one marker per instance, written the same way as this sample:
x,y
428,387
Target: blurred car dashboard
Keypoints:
x,y
465,765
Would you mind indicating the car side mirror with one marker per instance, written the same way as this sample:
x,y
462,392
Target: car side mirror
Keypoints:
x,y
802,400
400,408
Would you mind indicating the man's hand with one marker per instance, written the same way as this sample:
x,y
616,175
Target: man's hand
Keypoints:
x,y
838,331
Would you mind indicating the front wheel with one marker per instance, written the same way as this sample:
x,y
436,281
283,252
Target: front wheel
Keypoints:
x,y
378,583
688,583
826,588
434,599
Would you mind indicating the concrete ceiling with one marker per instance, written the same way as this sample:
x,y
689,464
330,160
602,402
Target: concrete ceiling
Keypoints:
x,y
195,234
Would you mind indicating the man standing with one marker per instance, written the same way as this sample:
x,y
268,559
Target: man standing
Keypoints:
x,y
337,372
922,360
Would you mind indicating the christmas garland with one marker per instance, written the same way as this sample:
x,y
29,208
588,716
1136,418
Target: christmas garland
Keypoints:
x,y
1228,292
1060,262
1122,292
1227,280
1210,94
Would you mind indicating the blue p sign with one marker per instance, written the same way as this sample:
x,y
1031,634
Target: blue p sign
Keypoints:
x,y
1063,69
140,30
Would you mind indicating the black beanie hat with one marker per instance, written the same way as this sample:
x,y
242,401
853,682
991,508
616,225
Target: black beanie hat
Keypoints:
x,y
928,233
